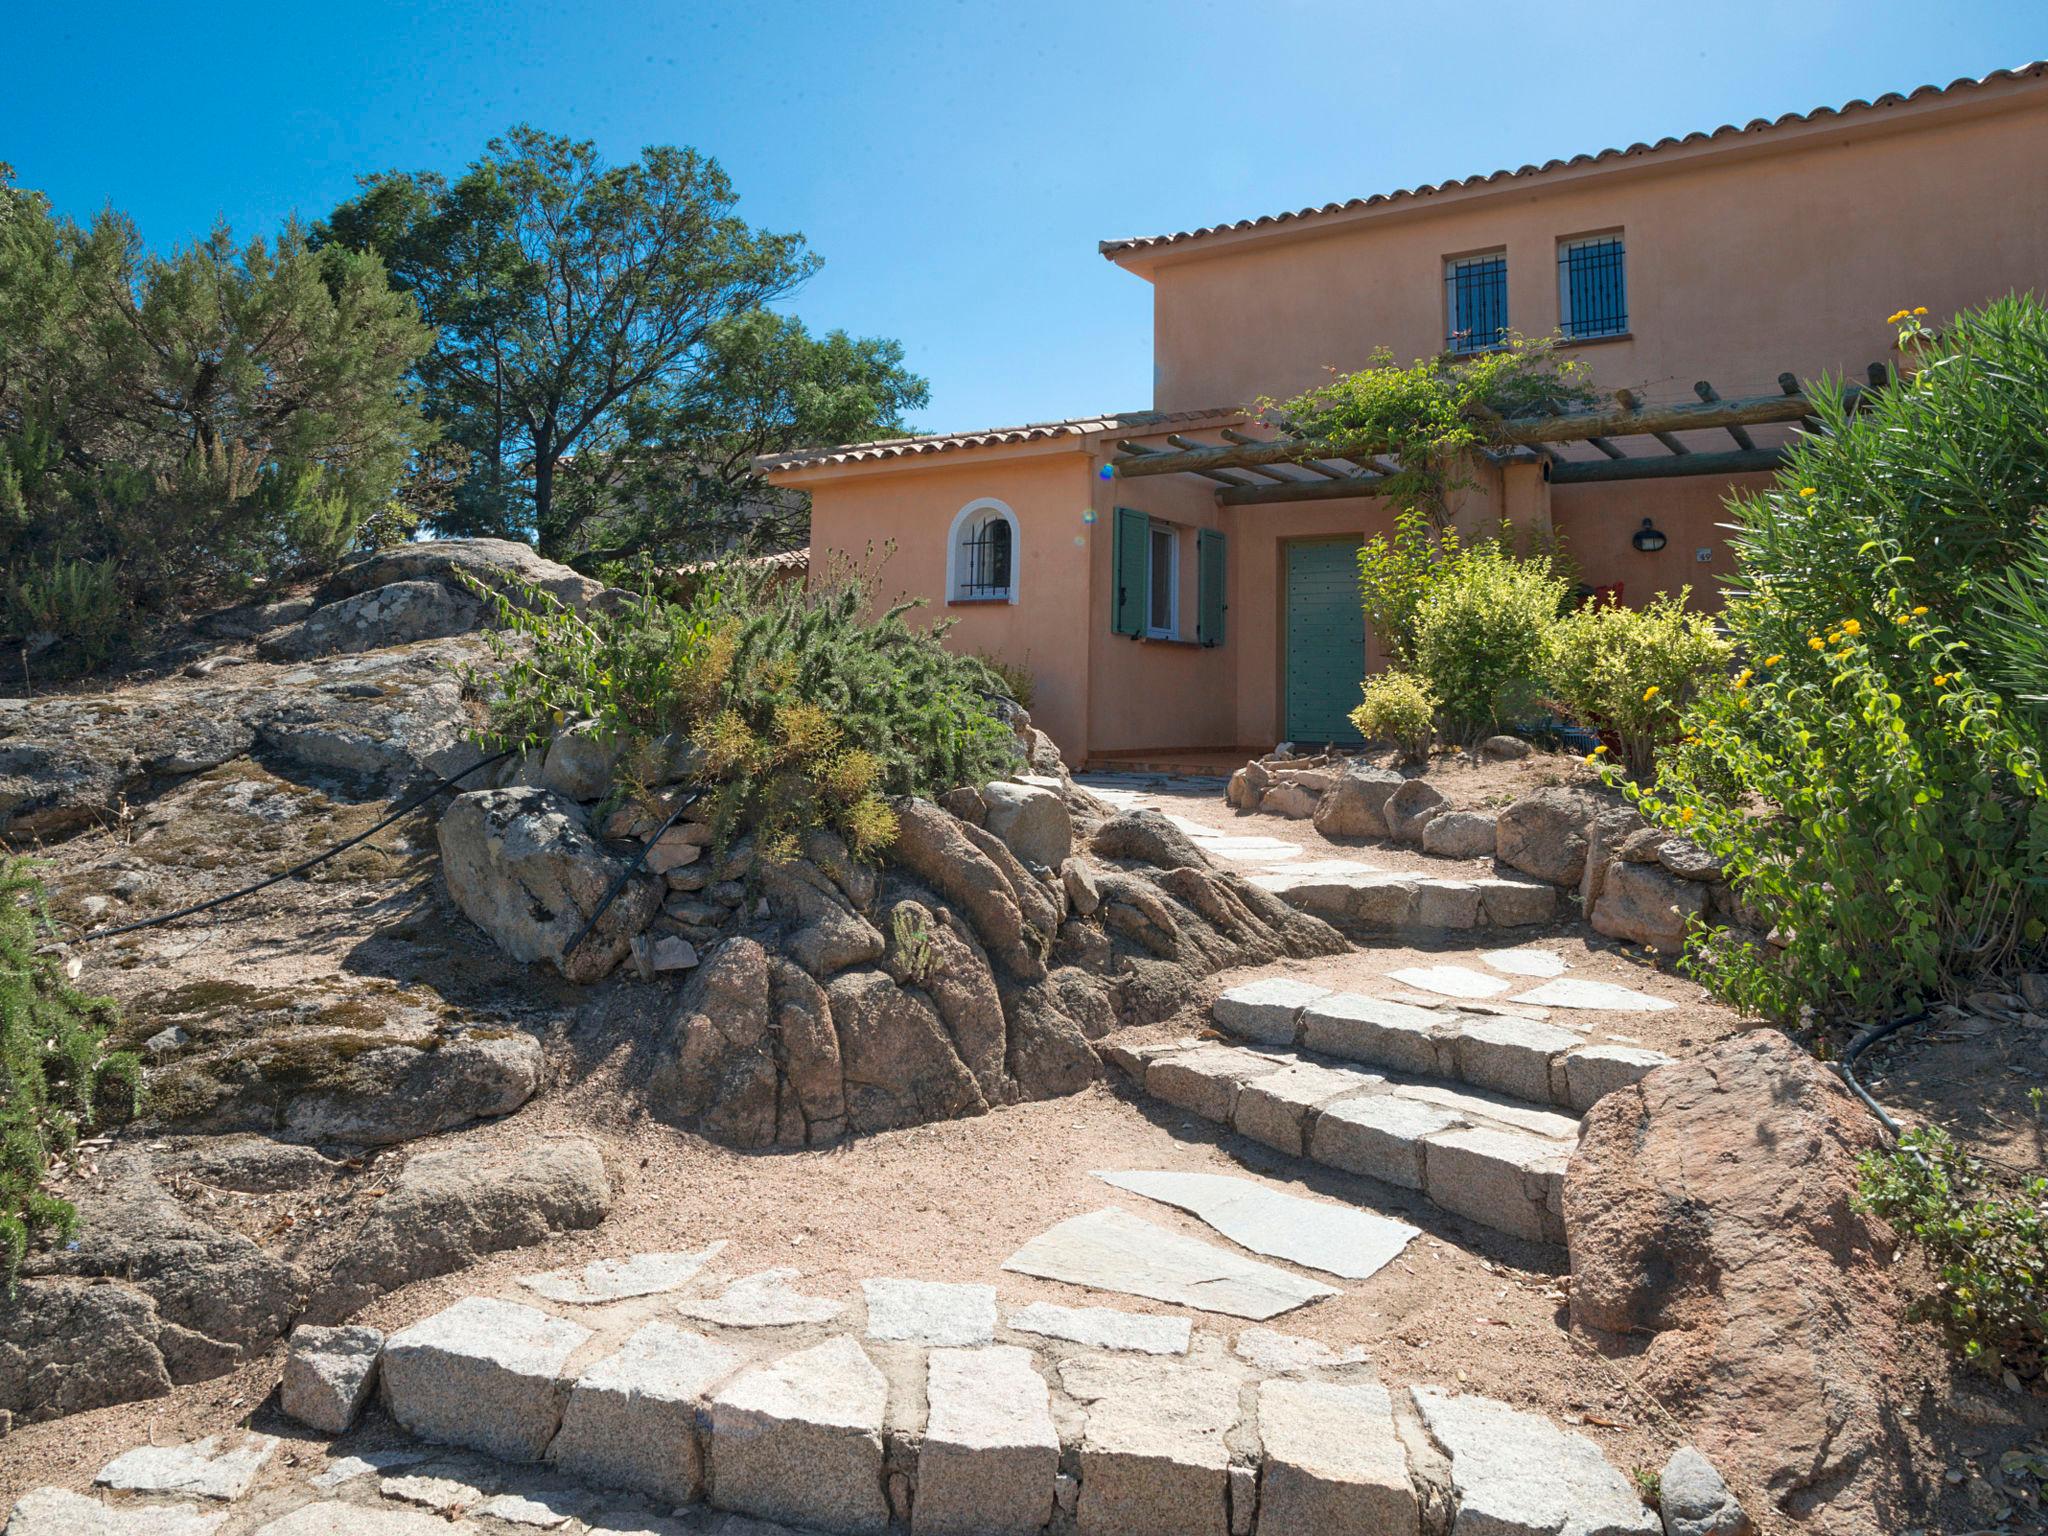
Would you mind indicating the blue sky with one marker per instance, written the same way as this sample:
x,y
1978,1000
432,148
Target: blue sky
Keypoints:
x,y
953,161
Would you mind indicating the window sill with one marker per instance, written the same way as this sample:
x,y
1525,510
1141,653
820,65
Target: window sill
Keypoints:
x,y
976,602
1193,645
1596,341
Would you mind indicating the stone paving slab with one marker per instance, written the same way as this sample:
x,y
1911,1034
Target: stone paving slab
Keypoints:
x,y
333,1518
1318,1234
60,1512
1517,1474
990,1450
643,1274
347,1469
930,1312
1333,1460
1275,1108
1154,1459
1112,1250
484,1373
631,1418
201,1469
1492,1109
1284,1354
765,1299
1449,980
1526,960
1264,1011
1576,992
800,1440
1104,1327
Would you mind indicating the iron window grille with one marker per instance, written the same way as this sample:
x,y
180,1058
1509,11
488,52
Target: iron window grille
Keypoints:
x,y
1592,284
1476,302
985,560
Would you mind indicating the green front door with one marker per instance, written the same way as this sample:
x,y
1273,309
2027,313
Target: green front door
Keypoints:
x,y
1325,640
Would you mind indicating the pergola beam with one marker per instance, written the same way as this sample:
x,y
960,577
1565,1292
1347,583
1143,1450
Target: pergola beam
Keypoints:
x,y
1731,415
1749,461
1710,396
1302,490
1629,402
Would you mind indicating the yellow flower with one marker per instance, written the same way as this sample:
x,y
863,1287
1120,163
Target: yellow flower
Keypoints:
x,y
1742,678
1816,642
1834,637
1686,814
1941,679
1807,490
1920,309
1852,627
1597,751
1772,661
1650,693
1592,761
1920,610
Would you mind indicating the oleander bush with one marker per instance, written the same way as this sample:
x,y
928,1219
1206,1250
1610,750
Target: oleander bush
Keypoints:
x,y
796,709
1634,671
1872,779
57,1076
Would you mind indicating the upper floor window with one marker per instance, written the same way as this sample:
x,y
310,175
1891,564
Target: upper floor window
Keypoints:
x,y
981,559
1592,287
1476,302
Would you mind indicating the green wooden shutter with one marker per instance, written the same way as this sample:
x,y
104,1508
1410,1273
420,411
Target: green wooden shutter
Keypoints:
x,y
1209,591
1133,572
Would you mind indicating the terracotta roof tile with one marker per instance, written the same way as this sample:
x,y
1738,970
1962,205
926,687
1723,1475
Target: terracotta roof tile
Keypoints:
x,y
2034,71
946,442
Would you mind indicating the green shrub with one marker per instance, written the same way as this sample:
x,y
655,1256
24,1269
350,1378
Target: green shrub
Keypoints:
x,y
1018,684
1479,636
56,1075
1633,671
1394,575
801,710
1989,1249
1873,784
78,601
1399,709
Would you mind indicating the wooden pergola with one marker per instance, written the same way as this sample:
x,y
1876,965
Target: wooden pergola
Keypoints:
x,y
1250,471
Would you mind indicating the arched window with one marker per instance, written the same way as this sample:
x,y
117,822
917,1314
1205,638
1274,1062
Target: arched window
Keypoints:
x,y
981,555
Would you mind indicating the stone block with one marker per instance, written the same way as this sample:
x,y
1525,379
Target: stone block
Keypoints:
x,y
1412,807
1511,1056
800,1440
1334,1460
328,1375
200,1469
1517,1474
1205,1082
1380,1135
1493,1110
1385,903
990,1450
60,1512
1290,800
1265,1011
483,1373
1447,904
631,1418
1153,1458
1459,835
1517,903
1275,1109
1373,1030
1593,1071
1506,1180
1644,904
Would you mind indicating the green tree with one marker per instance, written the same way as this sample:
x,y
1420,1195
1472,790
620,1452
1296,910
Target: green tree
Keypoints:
x,y
175,427
598,315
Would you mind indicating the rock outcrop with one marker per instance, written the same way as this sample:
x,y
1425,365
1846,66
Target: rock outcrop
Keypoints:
x,y
1718,1257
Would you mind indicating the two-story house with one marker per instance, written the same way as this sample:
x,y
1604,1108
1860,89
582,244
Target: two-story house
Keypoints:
x,y
1174,595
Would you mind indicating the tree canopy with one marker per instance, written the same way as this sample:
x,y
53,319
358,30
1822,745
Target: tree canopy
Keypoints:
x,y
175,427
605,359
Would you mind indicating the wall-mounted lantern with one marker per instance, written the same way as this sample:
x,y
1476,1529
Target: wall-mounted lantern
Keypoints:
x,y
1648,539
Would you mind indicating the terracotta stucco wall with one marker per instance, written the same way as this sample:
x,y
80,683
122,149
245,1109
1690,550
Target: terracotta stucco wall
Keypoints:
x,y
1738,267
913,504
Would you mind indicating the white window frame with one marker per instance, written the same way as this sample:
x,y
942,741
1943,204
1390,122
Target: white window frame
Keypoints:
x,y
1565,247
1153,532
974,512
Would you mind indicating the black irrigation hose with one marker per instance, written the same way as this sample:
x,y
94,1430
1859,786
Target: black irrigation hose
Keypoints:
x,y
1864,1040
296,870
639,858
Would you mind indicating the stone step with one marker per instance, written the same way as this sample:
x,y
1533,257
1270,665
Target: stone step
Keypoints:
x,y
1276,1436
1522,1058
1365,900
1488,1157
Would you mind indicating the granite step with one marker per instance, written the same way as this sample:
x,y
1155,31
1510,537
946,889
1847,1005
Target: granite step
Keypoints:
x,y
1490,1157
1523,1058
